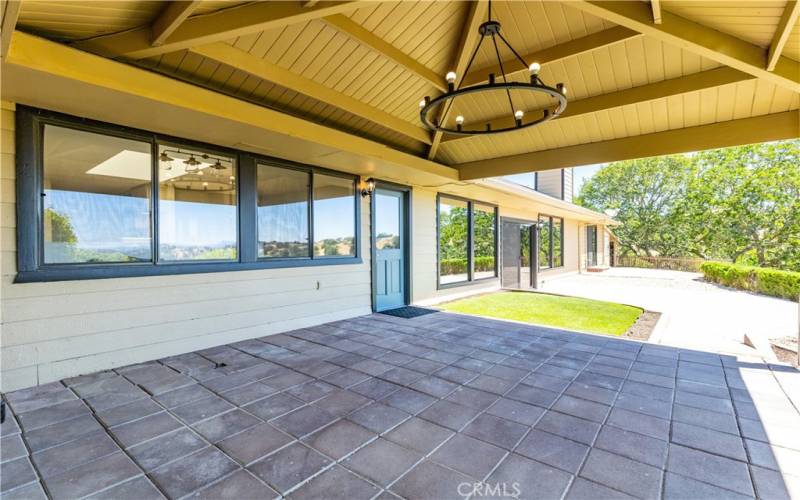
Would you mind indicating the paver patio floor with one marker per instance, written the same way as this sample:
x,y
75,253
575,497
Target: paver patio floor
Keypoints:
x,y
441,406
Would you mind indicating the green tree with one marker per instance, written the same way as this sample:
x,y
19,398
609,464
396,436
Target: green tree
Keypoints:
x,y
59,227
740,204
746,204
453,233
645,193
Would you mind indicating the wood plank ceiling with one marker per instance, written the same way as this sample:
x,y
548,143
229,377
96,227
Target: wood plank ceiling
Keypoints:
x,y
363,67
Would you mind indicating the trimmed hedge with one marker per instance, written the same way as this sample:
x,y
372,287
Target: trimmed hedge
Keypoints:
x,y
459,266
773,282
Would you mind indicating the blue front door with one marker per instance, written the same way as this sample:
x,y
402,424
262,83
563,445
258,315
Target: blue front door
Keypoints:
x,y
389,241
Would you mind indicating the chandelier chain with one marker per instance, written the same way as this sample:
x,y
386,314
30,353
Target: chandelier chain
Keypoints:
x,y
434,112
503,72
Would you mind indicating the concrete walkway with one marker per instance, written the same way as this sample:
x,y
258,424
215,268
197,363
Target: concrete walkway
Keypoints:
x,y
696,314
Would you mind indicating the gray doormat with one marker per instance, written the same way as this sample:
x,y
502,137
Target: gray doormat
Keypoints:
x,y
409,312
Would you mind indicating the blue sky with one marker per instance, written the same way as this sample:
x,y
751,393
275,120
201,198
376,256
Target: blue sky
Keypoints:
x,y
580,175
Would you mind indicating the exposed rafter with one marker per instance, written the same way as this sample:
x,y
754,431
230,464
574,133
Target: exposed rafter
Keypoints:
x,y
696,38
788,20
655,6
168,21
76,73
260,68
10,15
555,53
643,93
366,37
215,27
466,45
717,135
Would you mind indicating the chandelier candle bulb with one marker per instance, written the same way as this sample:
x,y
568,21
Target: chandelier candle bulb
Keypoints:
x,y
535,68
450,77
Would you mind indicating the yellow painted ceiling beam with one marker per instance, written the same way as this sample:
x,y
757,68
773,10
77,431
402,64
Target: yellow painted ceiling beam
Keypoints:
x,y
555,53
363,36
643,93
466,46
170,18
787,23
718,135
260,68
59,62
218,26
10,15
697,38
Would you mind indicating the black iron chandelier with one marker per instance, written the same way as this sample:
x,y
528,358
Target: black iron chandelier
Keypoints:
x,y
491,29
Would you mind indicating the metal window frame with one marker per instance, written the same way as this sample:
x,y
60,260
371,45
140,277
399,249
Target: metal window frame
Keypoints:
x,y
550,256
470,241
30,124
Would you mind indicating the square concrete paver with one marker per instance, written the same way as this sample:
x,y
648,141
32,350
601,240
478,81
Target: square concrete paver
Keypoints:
x,y
426,408
190,473
289,467
339,439
532,479
382,461
469,456
254,443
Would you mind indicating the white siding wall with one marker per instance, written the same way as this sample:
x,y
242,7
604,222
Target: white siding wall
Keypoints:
x,y
549,183
59,329
53,330
569,184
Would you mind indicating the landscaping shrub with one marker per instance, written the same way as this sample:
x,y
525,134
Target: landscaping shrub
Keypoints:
x,y
773,282
459,266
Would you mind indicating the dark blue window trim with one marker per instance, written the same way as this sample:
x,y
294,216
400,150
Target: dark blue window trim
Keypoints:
x,y
471,280
30,264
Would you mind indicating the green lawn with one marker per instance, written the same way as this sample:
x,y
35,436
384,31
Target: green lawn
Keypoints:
x,y
569,313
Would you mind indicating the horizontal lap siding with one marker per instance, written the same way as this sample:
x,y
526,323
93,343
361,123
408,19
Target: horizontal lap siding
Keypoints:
x,y
61,329
549,183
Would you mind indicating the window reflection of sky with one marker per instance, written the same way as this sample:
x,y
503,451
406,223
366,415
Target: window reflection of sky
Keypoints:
x,y
103,220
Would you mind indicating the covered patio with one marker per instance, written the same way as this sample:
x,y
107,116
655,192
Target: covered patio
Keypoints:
x,y
204,203
440,406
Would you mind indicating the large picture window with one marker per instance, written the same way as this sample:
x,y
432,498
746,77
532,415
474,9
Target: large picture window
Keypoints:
x,y
283,197
99,201
197,216
453,241
485,238
551,242
334,216
467,241
545,232
96,202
